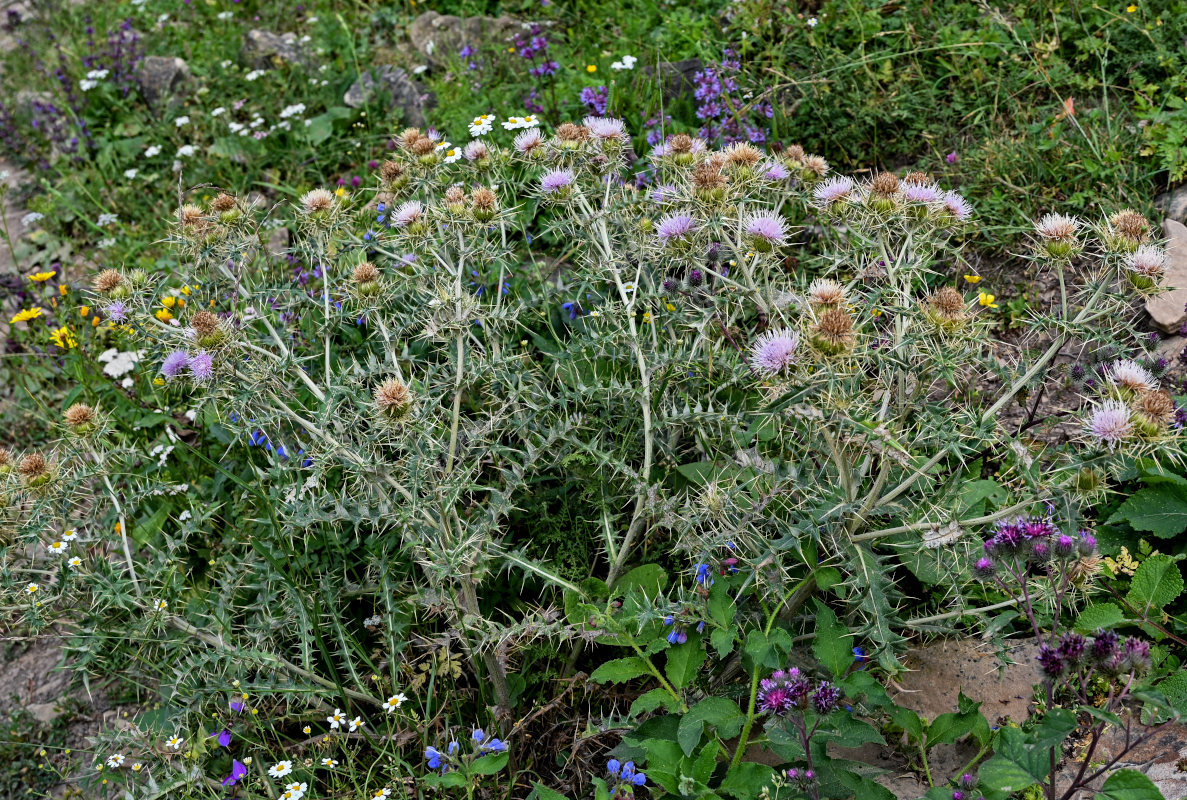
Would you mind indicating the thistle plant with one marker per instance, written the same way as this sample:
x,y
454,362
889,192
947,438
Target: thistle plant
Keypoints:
x,y
801,431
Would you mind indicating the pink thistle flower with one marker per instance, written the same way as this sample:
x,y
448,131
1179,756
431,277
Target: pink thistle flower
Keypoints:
x,y
957,206
475,150
675,227
922,193
408,213
1131,375
606,128
774,352
1147,261
174,363
556,180
528,141
767,226
202,366
834,190
776,172
1110,423
776,700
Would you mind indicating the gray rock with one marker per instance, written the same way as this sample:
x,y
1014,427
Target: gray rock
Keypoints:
x,y
399,89
439,37
1173,204
44,712
267,50
1167,309
675,77
163,77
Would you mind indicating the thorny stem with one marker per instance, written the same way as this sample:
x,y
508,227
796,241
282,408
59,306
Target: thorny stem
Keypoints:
x,y
964,523
119,510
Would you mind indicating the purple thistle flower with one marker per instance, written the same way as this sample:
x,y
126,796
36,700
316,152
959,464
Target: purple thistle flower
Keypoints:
x,y
202,366
117,311
408,213
1104,646
826,698
951,157
774,352
833,190
922,193
1135,655
556,180
1050,661
1110,423
606,128
957,206
174,363
675,227
776,172
984,568
767,226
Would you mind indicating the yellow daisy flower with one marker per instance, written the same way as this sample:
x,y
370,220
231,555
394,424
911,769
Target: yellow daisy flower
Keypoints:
x,y
26,315
163,315
64,338
42,277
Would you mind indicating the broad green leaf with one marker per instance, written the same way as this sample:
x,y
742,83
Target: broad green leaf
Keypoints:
x,y
620,670
1099,615
719,712
1174,687
747,780
650,701
1160,509
1129,784
1155,584
489,764
1003,773
832,645
650,578
542,792
768,651
683,662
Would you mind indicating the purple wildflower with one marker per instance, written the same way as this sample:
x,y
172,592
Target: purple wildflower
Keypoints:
x,y
957,206
766,226
174,363
1110,423
202,366
675,227
776,172
833,190
117,311
556,181
826,698
922,192
774,352
238,770
606,128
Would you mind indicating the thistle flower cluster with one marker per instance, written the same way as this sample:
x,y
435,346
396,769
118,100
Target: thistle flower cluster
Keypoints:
x,y
1026,542
790,690
1132,410
1104,652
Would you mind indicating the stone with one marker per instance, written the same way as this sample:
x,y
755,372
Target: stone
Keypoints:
x,y
400,90
163,77
267,50
439,37
1167,309
941,671
675,77
1158,758
44,712
1170,348
1173,204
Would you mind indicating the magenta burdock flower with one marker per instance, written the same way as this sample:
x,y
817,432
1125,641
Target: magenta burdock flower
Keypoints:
x,y
557,181
774,352
201,367
834,190
765,230
174,364
676,228
1110,423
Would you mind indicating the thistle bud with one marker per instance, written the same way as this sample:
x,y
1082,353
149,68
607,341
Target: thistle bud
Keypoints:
x,y
1064,546
485,204
366,279
318,205
1153,411
1127,230
394,175
709,181
984,569
883,192
5,461
227,208
571,136
111,283
1086,544
35,471
696,277
208,333
1135,655
81,419
455,201
946,309
1058,236
833,333
191,218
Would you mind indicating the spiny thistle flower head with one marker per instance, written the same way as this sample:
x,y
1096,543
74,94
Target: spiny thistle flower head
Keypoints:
x,y
815,167
201,367
365,278
1153,411
947,308
774,352
223,203
1110,423
190,216
408,137
35,470
709,181
570,134
676,228
5,460
774,171
81,418
317,202
956,206
606,129
1130,377
205,324
476,151
557,182
110,282
529,142
926,193
764,230
833,332
393,173
1058,235
409,216
884,184
1146,266
116,311
742,156
916,178
174,364
826,292
485,203
835,190
795,154
1127,229
392,399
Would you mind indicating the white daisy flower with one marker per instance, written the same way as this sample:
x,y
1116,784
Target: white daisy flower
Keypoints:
x,y
481,125
32,588
161,605
394,702
137,767
629,286
182,120
329,762
175,743
131,173
154,150
512,123
75,562
69,535
452,155
115,760
295,790
356,724
57,548
280,769
337,719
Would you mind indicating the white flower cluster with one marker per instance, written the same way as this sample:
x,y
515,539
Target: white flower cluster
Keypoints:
x,y
627,62
92,79
118,362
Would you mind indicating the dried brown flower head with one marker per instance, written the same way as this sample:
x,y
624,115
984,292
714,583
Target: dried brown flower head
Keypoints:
x,y
884,183
107,280
205,323
80,415
681,143
317,201
571,132
707,175
948,302
190,215
422,146
33,466
1084,569
455,194
365,273
485,199
742,154
1130,225
794,152
392,171
409,137
5,457
224,202
1157,405
392,397
826,292
917,178
816,165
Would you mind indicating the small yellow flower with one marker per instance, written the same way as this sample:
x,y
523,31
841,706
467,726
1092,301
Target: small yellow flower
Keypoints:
x,y
307,729
591,68
169,302
84,310
1132,9
62,289
161,382
185,290
117,527
26,315
340,191
42,277
510,49
163,315
94,322
877,312
670,307
63,338
972,278
181,302
646,317
986,299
